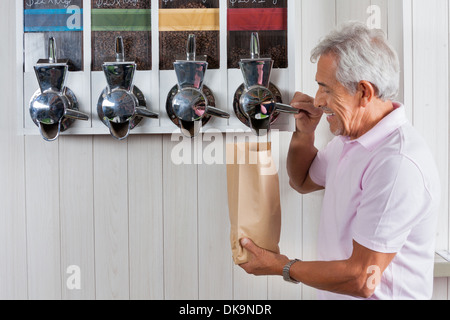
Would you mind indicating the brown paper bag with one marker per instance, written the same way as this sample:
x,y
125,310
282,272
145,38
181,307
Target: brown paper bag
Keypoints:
x,y
253,198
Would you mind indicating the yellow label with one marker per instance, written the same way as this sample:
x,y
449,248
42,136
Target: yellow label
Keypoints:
x,y
189,20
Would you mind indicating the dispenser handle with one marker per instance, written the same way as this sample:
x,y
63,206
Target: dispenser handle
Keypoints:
x,y
120,51
215,112
52,58
285,108
76,115
191,48
143,112
255,52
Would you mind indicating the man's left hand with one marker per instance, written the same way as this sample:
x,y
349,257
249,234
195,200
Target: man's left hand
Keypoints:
x,y
263,262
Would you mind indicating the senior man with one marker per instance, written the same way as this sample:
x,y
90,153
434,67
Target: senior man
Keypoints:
x,y
380,208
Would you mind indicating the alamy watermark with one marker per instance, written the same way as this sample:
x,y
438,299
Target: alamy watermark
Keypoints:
x,y
73,281
213,147
374,280
374,20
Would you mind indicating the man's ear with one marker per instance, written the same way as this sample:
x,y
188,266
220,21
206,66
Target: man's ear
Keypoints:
x,y
367,92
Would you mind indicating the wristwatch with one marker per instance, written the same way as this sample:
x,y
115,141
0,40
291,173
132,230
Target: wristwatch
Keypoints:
x,y
287,272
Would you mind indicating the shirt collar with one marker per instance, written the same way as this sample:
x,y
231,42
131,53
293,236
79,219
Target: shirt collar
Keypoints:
x,y
383,129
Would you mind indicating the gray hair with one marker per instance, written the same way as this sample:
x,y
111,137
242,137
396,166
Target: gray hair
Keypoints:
x,y
363,54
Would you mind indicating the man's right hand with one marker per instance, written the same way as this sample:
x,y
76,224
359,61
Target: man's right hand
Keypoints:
x,y
309,117
302,151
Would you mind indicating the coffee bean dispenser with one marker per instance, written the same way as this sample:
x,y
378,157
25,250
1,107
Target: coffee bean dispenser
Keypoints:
x,y
122,105
258,102
190,104
54,107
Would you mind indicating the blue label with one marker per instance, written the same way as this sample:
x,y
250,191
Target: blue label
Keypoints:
x,y
50,20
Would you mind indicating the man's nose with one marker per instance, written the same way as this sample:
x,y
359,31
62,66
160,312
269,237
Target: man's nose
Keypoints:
x,y
319,102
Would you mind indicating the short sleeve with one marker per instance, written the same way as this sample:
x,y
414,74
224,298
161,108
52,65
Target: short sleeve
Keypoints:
x,y
394,199
319,167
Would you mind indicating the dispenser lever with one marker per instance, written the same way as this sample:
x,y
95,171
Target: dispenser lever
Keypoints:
x,y
191,48
76,115
144,112
254,46
215,112
52,58
120,52
285,108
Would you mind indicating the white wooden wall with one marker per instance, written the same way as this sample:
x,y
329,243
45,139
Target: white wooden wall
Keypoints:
x,y
140,227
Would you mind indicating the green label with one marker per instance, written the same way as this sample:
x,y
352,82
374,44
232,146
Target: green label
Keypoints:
x,y
121,20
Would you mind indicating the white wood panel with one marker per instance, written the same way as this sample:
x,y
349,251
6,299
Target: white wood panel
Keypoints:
x,y
13,267
77,216
43,221
431,90
111,218
247,287
448,196
347,10
145,203
291,226
408,74
214,253
395,33
181,279
430,96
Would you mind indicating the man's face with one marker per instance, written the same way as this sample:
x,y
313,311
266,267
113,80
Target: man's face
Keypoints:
x,y
340,107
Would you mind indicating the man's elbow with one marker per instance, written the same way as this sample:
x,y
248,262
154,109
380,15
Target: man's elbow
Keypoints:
x,y
304,188
297,188
363,287
366,292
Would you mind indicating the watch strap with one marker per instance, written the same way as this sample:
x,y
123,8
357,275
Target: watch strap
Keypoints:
x,y
287,272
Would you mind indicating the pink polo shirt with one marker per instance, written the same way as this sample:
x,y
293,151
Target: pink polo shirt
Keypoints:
x,y
382,191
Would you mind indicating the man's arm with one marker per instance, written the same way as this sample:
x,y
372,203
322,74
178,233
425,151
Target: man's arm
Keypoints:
x,y
302,151
358,276
300,157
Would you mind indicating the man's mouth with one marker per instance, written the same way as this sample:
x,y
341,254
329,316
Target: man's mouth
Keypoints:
x,y
328,112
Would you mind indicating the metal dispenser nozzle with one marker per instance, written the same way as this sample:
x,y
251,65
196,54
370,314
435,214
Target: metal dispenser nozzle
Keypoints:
x,y
53,107
122,105
258,102
191,104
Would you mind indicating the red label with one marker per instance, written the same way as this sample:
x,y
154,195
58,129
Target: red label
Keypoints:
x,y
270,19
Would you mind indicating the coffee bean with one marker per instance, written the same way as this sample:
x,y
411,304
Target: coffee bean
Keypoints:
x,y
273,44
137,44
173,47
137,48
173,43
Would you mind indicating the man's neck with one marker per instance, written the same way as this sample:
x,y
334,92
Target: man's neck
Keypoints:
x,y
371,115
